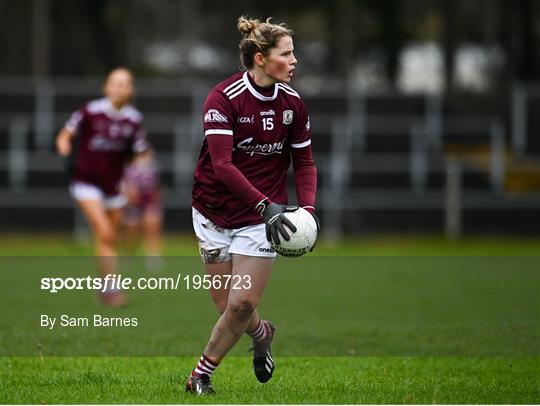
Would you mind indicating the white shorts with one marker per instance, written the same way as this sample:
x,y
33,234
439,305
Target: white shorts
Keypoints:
x,y
86,191
217,244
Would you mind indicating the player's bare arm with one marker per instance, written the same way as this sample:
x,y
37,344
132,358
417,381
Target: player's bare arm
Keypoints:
x,y
63,141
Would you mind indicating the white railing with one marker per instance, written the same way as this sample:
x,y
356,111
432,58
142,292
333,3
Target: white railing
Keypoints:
x,y
348,134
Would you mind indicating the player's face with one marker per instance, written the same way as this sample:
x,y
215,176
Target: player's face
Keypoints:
x,y
119,87
280,61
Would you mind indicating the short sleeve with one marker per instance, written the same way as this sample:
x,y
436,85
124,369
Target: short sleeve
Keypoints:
x,y
75,121
140,141
218,116
300,133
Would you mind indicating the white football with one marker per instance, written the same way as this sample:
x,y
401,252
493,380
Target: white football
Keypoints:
x,y
303,239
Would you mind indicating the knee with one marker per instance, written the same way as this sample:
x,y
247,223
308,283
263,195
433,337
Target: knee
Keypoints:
x,y
106,235
221,306
220,300
242,309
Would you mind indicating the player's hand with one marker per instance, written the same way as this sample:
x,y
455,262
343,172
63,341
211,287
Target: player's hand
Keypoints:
x,y
63,145
276,221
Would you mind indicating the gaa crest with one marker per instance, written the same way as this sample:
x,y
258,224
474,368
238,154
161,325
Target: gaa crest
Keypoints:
x,y
287,117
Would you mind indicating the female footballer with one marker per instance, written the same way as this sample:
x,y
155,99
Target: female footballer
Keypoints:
x,y
255,124
143,212
108,132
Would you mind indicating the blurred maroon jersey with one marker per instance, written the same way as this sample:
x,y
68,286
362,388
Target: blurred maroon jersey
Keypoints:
x,y
106,139
144,177
265,125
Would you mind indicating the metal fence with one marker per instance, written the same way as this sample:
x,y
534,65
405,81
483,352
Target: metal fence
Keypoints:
x,y
348,134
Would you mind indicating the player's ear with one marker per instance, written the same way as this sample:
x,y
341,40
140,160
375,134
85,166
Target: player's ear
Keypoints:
x,y
260,60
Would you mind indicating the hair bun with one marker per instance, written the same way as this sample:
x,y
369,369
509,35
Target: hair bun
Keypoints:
x,y
246,26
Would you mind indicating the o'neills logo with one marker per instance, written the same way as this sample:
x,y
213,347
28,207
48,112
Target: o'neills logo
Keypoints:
x,y
260,149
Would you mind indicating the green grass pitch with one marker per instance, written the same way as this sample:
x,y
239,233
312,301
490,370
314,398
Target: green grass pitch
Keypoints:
x,y
389,320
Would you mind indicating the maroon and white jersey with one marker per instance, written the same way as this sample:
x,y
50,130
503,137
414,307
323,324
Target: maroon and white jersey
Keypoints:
x,y
261,128
106,137
144,178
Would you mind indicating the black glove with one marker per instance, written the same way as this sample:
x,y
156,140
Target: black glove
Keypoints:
x,y
275,220
318,222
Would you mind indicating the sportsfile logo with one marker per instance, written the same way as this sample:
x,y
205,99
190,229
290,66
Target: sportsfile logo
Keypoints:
x,y
214,116
118,282
260,149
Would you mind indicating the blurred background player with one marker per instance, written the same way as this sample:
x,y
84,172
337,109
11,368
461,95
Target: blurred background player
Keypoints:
x,y
143,214
108,132
254,125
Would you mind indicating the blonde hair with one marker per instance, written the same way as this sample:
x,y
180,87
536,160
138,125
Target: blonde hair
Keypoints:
x,y
258,37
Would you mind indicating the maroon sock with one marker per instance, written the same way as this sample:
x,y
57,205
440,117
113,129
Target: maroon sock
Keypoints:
x,y
259,333
204,367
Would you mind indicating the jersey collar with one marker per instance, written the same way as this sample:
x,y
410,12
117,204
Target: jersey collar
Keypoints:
x,y
109,110
255,93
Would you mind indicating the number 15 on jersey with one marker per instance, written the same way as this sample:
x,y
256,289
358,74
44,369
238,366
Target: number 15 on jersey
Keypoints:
x,y
268,123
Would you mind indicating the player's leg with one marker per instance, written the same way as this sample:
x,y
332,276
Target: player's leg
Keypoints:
x,y
92,202
255,328
132,225
220,270
102,228
199,382
214,243
253,274
114,297
152,231
151,222
114,215
250,242
94,206
260,331
104,224
223,270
